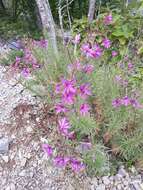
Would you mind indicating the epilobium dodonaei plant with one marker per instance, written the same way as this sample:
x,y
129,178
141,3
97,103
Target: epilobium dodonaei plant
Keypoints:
x,y
98,106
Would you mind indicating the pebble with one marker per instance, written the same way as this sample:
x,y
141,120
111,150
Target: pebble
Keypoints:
x,y
5,158
12,186
4,145
106,180
22,173
136,186
23,162
122,172
101,187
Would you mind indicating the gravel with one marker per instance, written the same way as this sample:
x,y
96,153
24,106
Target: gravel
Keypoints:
x,y
23,166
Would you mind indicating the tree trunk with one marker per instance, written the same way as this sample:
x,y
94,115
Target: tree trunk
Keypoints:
x,y
2,5
47,22
91,10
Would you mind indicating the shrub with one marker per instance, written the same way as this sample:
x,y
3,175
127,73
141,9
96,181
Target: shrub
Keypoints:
x,y
97,103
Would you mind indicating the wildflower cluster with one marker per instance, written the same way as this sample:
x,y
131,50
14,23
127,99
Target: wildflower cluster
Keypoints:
x,y
126,101
63,161
77,109
28,62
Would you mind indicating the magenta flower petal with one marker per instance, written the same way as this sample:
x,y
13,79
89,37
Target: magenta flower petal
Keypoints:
x,y
84,109
116,103
60,108
26,72
88,69
106,43
85,90
108,19
64,126
125,101
47,149
61,161
114,53
77,166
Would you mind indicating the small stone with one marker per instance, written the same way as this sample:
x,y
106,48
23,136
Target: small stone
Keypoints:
x,y
70,187
117,177
126,183
119,187
136,186
122,172
101,187
29,129
92,187
5,158
22,173
106,180
111,178
7,188
94,181
4,145
23,162
12,186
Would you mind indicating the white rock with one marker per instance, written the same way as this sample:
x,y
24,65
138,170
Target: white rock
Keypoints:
x,y
117,177
122,172
23,162
5,158
136,186
101,187
12,186
29,129
22,173
106,180
4,145
94,181
119,187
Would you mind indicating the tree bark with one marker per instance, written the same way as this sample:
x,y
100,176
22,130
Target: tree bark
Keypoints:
x,y
2,5
91,10
47,22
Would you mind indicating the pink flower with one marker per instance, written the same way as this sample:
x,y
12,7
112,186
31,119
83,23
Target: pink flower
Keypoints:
x,y
114,53
116,103
85,91
47,149
61,161
106,43
60,108
108,19
97,51
64,126
118,78
75,66
77,39
68,86
125,101
88,69
130,66
41,43
135,103
77,166
85,48
93,52
26,72
58,88
68,98
84,109
17,61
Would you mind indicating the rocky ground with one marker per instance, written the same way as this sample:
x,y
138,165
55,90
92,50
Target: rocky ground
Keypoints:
x,y
23,166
